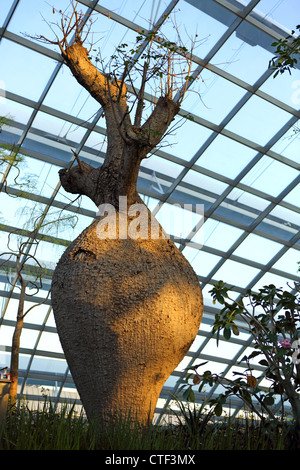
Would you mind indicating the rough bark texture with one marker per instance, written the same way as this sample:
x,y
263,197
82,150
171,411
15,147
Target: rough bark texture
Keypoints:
x,y
126,309
127,312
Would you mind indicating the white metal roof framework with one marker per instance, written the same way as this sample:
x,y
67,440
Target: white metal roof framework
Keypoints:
x,y
238,157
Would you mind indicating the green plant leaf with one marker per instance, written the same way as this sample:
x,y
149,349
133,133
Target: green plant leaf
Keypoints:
x,y
218,409
227,333
268,400
264,362
235,330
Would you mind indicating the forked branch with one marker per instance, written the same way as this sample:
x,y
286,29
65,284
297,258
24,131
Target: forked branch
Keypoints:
x,y
127,143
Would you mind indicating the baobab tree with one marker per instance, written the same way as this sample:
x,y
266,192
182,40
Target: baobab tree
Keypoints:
x,y
127,304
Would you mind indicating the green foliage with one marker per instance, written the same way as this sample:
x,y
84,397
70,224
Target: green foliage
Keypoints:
x,y
61,428
192,418
286,53
39,221
4,121
19,260
12,160
157,52
46,428
166,65
272,317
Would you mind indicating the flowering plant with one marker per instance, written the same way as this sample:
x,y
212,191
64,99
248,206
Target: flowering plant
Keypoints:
x,y
272,317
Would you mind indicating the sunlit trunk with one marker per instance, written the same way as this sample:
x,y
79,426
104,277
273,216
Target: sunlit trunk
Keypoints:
x,y
127,312
126,302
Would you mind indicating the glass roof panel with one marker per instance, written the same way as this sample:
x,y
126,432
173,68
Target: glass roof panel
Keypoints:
x,y
159,174
224,349
251,122
17,112
244,200
243,55
58,129
68,96
10,312
288,144
201,261
226,155
5,8
284,87
265,172
28,338
41,177
143,13
271,278
49,342
282,12
242,209
8,238
293,196
20,212
213,365
208,19
214,90
35,18
289,261
6,334
237,274
97,143
177,220
257,248
203,182
48,364
35,68
198,341
37,314
65,224
281,223
251,230
105,36
50,320
185,138
83,202
219,235
48,254
286,215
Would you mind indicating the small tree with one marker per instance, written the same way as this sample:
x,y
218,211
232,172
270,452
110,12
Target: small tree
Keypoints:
x,y
23,280
22,261
272,317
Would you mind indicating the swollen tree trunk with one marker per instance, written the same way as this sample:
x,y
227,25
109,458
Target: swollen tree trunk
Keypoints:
x,y
127,312
126,302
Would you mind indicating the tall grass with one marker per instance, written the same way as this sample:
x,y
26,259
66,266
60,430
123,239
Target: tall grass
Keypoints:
x,y
46,429
50,429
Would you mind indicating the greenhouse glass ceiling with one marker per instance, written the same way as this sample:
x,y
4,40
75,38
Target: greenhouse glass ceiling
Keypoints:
x,y
237,156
